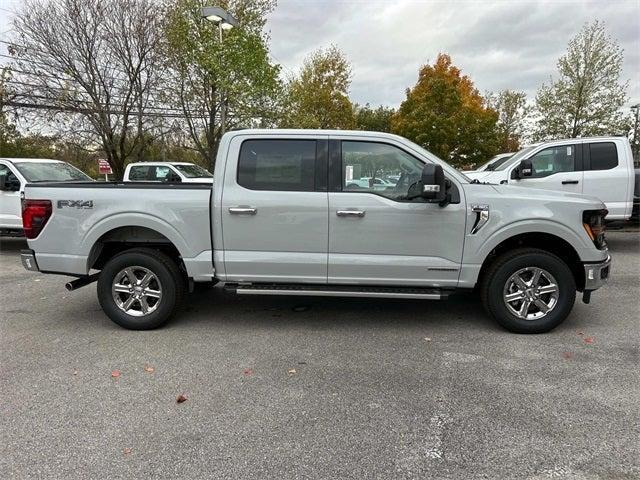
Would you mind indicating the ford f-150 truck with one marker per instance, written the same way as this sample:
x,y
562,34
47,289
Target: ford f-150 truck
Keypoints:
x,y
281,219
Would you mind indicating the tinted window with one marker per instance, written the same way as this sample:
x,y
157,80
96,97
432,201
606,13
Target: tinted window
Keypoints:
x,y
554,160
378,168
603,155
139,173
287,165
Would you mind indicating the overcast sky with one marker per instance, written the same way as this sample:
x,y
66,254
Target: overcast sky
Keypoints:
x,y
499,44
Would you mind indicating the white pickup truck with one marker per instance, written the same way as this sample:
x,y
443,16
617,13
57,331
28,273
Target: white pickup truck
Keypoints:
x,y
599,166
166,172
15,173
281,219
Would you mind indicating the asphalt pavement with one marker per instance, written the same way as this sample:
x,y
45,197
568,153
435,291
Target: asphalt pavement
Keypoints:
x,y
282,388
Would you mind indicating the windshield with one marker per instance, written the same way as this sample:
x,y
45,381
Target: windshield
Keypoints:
x,y
516,158
50,172
193,171
492,165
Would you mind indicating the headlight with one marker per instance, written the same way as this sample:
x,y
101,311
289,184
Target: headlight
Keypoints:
x,y
593,222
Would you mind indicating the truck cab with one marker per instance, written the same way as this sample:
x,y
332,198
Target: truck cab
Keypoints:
x,y
171,172
601,167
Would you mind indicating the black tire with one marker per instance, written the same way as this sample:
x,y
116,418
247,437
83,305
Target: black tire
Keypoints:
x,y
499,272
166,271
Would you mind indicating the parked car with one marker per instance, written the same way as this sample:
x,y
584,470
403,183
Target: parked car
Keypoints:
x,y
601,167
493,163
280,221
167,172
15,173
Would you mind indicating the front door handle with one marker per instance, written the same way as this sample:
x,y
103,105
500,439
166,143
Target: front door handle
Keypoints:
x,y
243,210
570,182
350,213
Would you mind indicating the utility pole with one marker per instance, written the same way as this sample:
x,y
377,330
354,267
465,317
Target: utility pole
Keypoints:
x,y
635,143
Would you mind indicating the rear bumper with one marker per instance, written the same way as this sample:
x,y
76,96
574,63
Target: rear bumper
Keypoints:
x,y
28,258
596,274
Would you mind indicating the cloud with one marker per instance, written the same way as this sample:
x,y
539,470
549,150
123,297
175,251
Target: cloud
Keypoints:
x,y
499,44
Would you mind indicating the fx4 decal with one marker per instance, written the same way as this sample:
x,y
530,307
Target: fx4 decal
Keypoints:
x,y
80,204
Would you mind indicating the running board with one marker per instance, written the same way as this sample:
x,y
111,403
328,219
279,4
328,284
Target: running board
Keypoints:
x,y
339,291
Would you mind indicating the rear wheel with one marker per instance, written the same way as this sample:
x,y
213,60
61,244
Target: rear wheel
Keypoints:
x,y
140,288
528,290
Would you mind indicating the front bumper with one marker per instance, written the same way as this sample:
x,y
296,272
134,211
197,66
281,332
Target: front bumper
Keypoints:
x,y
596,274
28,258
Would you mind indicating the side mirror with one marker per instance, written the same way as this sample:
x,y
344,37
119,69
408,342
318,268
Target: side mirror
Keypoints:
x,y
525,169
433,183
8,185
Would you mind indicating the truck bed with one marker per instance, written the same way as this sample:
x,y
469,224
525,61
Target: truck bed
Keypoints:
x,y
83,213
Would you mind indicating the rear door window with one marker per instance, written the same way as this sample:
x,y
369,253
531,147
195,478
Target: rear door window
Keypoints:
x,y
139,173
284,165
604,155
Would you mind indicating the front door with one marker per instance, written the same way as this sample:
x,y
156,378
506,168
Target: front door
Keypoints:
x,y
10,206
274,210
556,168
379,237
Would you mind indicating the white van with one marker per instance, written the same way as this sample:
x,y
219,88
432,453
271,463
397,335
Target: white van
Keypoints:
x,y
169,172
601,167
15,173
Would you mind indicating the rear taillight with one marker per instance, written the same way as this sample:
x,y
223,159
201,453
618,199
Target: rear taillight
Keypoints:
x,y
593,222
35,214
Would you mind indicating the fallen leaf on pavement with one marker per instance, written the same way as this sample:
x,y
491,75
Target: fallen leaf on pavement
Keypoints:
x,y
115,373
292,371
567,355
149,369
580,333
427,339
589,339
247,372
75,372
126,451
181,398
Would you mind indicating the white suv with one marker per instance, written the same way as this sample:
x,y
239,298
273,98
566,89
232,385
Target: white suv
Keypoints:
x,y
167,172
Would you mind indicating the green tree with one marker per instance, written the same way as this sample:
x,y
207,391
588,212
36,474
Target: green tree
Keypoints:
x,y
587,97
512,114
319,96
445,113
208,76
373,119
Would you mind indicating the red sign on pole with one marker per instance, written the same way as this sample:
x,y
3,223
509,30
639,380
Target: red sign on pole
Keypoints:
x,y
103,167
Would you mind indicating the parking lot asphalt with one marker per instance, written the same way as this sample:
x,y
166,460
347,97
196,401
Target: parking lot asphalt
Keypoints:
x,y
280,387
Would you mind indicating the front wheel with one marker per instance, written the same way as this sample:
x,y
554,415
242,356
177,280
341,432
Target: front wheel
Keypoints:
x,y
528,290
139,288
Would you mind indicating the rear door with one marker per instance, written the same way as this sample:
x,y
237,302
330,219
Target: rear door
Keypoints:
x,y
606,177
376,235
274,209
558,167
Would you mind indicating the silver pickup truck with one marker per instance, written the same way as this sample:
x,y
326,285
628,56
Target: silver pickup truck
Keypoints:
x,y
290,214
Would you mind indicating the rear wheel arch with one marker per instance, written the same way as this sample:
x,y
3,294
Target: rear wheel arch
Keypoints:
x,y
120,239
542,241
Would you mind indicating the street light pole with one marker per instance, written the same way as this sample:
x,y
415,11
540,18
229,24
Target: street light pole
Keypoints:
x,y
225,21
636,141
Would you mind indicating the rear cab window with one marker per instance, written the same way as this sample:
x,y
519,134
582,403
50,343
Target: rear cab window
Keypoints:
x,y
603,156
277,165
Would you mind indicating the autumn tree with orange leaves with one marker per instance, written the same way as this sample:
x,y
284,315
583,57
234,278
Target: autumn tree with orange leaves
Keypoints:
x,y
446,114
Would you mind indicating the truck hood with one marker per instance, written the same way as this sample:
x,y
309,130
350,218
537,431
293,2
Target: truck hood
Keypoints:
x,y
538,194
490,177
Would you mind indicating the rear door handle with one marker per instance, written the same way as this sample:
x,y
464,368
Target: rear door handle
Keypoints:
x,y
570,182
243,210
350,213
